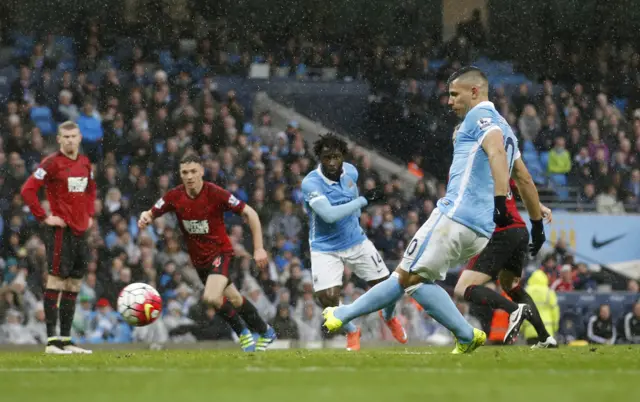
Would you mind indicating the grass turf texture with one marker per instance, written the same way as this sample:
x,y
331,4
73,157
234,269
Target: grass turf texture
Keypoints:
x,y
426,374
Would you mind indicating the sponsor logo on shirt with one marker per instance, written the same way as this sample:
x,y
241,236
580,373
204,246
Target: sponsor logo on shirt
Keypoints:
x,y
196,227
484,123
159,204
77,184
313,195
233,201
40,173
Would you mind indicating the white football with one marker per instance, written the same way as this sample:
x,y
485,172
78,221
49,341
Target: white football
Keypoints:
x,y
139,304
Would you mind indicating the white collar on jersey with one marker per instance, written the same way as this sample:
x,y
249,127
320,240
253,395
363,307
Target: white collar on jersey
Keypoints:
x,y
327,180
484,103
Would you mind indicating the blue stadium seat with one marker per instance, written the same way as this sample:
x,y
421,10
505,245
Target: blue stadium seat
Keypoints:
x,y
532,160
43,119
66,43
620,103
559,183
67,64
544,159
23,44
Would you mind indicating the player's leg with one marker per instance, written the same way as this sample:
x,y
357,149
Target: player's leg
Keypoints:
x,y
213,295
250,315
510,282
367,264
442,245
384,293
327,270
79,261
482,269
511,256
55,284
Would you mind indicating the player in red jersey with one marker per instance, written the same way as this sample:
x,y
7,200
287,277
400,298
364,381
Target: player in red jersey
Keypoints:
x,y
200,207
71,191
504,259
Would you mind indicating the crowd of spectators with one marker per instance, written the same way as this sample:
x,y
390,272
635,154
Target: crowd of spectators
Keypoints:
x,y
579,128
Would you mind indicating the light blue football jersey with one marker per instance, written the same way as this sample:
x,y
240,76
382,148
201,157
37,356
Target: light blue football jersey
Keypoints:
x,y
344,233
470,192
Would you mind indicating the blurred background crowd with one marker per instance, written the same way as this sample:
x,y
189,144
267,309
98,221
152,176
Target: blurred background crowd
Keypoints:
x,y
144,93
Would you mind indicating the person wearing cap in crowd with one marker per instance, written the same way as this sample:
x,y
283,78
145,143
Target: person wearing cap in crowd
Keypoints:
x,y
565,282
105,325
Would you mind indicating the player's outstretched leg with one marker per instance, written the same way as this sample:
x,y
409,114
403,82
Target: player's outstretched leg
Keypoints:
x,y
382,295
388,315
519,295
213,296
439,305
250,315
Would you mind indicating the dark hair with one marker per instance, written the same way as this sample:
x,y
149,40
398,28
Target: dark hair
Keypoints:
x,y
330,141
191,158
466,70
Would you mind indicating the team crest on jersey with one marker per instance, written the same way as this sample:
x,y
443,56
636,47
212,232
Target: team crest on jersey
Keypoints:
x,y
159,204
196,227
40,173
217,262
484,123
233,201
77,184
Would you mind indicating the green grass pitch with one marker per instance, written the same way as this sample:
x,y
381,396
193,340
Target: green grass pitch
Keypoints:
x,y
413,374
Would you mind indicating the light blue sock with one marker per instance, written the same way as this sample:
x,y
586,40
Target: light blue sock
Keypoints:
x,y
437,303
350,327
389,311
379,296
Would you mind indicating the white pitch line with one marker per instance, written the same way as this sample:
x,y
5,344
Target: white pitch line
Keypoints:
x,y
313,369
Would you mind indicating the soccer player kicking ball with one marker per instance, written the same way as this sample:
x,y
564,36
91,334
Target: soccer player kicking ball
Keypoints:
x,y
71,191
200,207
484,151
333,205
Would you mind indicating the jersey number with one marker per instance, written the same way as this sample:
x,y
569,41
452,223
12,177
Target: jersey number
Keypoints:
x,y
376,259
510,149
412,247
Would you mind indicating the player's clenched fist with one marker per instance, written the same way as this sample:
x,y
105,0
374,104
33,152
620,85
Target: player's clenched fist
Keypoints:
x,y
260,255
145,219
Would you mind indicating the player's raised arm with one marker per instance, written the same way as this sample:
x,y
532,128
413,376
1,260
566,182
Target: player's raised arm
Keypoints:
x,y
323,208
259,253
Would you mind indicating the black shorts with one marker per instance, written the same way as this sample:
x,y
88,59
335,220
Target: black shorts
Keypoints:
x,y
219,266
506,250
68,254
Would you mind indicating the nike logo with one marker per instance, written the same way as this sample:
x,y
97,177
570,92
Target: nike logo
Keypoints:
x,y
599,244
148,308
